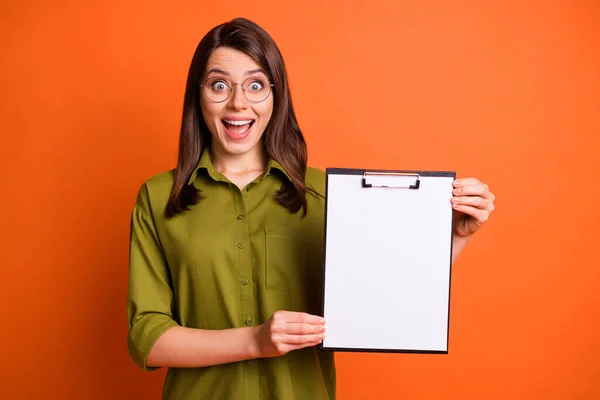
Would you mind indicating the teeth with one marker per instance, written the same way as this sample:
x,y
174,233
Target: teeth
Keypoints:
x,y
238,123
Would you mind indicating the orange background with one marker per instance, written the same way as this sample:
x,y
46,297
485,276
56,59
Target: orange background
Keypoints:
x,y
91,98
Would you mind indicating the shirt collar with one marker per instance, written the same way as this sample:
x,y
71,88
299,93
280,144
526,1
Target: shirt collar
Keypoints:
x,y
206,163
275,164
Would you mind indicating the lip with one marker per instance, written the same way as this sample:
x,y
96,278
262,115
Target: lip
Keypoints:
x,y
237,118
235,137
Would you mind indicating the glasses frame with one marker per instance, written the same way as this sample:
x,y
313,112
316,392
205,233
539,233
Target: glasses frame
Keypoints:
x,y
233,84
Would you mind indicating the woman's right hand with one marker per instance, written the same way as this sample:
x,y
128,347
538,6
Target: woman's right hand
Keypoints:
x,y
288,330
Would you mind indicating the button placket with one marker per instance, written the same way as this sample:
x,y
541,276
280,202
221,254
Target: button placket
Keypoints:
x,y
244,250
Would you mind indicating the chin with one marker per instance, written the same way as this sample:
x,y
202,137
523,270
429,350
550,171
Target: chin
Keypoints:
x,y
239,148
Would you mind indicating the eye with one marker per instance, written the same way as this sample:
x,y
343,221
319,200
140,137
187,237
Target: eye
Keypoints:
x,y
219,86
255,86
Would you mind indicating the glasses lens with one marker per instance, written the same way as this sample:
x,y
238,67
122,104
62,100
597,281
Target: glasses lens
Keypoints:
x,y
217,89
257,89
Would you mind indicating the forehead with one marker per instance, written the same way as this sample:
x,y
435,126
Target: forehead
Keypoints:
x,y
231,61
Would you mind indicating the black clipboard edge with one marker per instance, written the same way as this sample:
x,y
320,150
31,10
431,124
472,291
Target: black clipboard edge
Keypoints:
x,y
356,171
371,350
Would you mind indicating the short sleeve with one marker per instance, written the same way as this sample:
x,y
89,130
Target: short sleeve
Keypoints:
x,y
150,301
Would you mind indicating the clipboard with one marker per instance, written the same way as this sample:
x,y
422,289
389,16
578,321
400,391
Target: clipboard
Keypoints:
x,y
387,260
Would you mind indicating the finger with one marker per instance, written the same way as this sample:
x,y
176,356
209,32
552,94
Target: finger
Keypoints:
x,y
286,348
293,323
479,215
302,346
465,182
300,317
300,339
301,328
473,201
480,189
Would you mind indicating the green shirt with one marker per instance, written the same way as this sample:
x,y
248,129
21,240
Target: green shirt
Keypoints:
x,y
231,261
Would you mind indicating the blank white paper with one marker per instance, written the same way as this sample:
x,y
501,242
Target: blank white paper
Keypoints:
x,y
387,265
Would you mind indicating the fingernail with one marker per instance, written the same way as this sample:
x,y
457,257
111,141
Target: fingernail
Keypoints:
x,y
457,191
455,205
456,183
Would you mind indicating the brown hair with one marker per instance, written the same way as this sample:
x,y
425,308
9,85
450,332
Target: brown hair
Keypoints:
x,y
283,139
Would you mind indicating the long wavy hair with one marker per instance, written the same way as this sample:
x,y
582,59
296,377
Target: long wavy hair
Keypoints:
x,y
283,139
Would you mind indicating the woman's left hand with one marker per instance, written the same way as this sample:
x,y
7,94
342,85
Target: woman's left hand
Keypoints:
x,y
473,203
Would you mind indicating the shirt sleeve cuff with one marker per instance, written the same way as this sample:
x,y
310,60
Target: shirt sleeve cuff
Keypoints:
x,y
144,334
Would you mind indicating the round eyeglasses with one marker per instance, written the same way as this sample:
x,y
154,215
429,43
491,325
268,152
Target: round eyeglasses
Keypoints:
x,y
219,89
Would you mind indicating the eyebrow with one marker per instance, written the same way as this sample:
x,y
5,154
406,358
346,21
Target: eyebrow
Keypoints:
x,y
222,72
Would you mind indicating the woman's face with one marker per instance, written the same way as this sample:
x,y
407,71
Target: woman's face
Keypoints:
x,y
236,124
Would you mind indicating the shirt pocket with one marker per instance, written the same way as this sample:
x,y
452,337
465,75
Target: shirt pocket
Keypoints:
x,y
289,264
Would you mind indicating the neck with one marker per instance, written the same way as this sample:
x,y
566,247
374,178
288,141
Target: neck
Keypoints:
x,y
227,163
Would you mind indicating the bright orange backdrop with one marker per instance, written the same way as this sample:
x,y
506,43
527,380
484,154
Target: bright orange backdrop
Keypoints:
x,y
91,97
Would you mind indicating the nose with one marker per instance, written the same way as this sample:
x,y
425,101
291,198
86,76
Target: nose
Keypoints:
x,y
237,101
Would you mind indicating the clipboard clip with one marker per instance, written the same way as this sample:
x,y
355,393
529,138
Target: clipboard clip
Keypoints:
x,y
397,181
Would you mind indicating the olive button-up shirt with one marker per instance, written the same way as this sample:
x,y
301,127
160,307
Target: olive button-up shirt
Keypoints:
x,y
231,261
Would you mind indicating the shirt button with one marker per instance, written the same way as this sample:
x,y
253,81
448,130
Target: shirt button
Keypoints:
x,y
244,281
248,188
248,321
240,245
240,217
250,362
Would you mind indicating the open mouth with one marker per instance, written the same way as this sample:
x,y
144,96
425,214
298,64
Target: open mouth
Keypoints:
x,y
237,127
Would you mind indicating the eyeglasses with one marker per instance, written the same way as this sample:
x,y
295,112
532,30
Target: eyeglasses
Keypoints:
x,y
219,89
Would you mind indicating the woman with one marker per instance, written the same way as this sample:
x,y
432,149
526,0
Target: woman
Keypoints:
x,y
226,250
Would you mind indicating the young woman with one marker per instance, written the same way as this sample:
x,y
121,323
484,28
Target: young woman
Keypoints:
x,y
226,249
